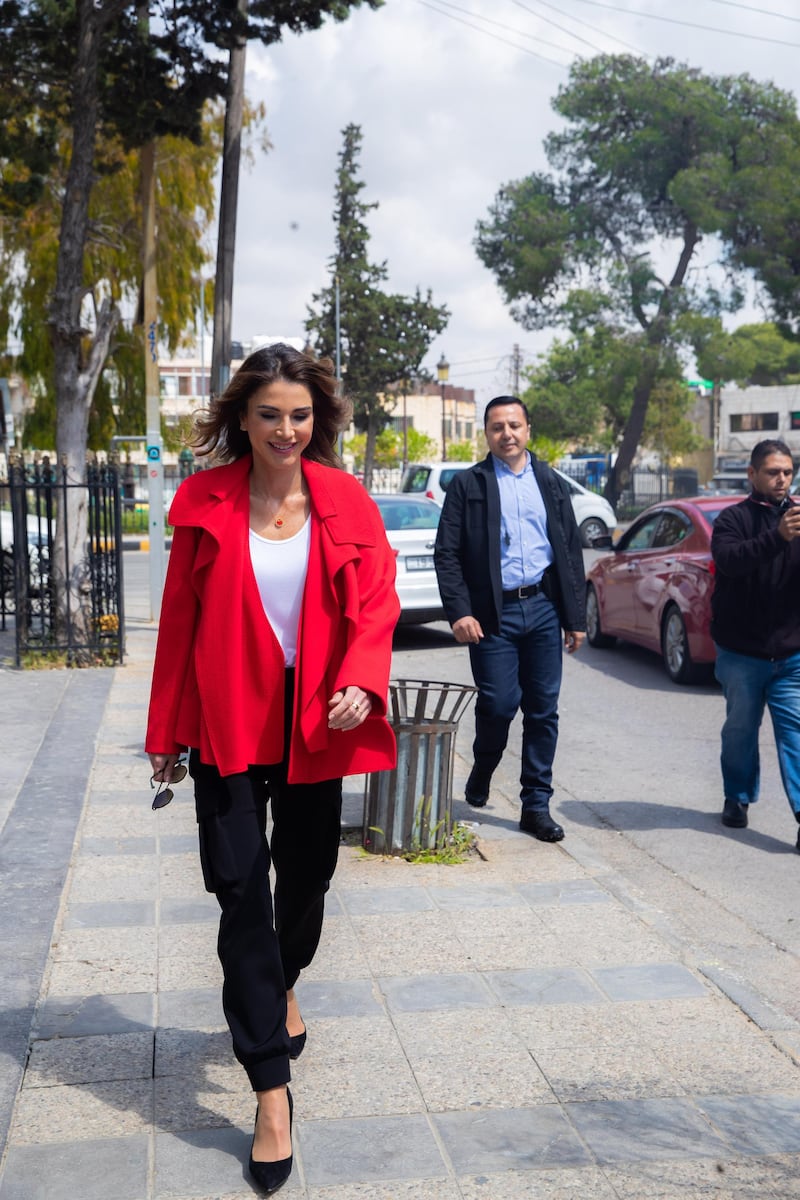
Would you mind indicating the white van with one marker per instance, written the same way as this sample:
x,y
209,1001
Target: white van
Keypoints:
x,y
593,513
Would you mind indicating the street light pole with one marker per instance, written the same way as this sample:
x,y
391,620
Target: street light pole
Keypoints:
x,y
443,374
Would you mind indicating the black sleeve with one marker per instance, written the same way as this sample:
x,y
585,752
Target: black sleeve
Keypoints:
x,y
448,553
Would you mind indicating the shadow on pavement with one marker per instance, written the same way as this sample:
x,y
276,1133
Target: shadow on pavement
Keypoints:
x,y
626,815
641,669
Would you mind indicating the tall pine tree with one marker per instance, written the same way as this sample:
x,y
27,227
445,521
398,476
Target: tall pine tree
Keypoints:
x,y
383,337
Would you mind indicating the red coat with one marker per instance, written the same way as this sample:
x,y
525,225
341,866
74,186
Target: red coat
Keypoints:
x,y
218,679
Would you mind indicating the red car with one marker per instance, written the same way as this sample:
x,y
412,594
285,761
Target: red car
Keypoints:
x,y
655,587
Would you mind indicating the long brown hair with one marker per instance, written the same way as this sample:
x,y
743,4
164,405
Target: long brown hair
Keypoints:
x,y
217,431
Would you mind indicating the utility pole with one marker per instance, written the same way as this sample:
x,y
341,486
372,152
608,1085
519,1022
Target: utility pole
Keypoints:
x,y
155,459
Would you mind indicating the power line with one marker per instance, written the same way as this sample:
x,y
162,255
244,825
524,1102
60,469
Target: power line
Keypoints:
x,y
577,21
635,12
762,12
508,28
497,38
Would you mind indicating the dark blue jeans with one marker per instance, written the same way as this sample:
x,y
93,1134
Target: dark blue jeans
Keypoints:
x,y
520,668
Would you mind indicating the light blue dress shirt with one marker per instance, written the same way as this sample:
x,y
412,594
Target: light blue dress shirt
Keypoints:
x,y
525,550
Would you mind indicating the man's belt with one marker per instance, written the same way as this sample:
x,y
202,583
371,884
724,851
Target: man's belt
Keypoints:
x,y
522,593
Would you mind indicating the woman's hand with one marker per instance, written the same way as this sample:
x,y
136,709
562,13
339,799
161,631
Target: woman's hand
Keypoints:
x,y
349,709
163,765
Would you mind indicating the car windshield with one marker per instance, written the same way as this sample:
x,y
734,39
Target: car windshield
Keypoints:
x,y
416,479
401,513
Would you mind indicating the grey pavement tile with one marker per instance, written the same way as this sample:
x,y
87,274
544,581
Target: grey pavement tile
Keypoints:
x,y
332,998
178,843
190,939
339,955
648,981
415,1189
189,1051
452,1035
79,1113
480,1079
212,1097
208,1163
192,1008
369,1149
723,1067
518,1139
92,1170
179,973
354,1067
663,1023
581,1026
748,999
423,993
180,877
623,1070
78,1016
481,895
567,891
631,1130
359,902
103,977
116,797
510,938
556,985
577,1183
203,908
722,1179
413,943
122,844
91,1059
120,912
756,1124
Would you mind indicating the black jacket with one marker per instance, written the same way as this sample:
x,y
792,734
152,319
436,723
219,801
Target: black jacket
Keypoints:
x,y
467,551
755,605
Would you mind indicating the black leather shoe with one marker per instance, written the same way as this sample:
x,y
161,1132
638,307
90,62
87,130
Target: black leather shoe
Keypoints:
x,y
541,825
734,815
797,818
271,1175
476,790
297,1043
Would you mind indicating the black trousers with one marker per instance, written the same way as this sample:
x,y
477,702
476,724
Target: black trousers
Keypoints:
x,y
263,948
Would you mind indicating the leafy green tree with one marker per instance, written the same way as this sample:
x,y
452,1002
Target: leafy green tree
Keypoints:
x,y
642,145
460,452
383,337
753,355
421,447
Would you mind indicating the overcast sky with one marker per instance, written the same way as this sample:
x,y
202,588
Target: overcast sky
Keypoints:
x,y
454,99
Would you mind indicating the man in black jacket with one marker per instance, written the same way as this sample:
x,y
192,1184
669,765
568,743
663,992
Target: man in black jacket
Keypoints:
x,y
510,569
756,627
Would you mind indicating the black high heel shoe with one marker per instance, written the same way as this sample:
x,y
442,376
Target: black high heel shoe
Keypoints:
x,y
297,1042
271,1175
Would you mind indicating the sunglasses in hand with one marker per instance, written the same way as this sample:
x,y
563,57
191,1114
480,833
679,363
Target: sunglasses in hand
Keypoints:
x,y
165,794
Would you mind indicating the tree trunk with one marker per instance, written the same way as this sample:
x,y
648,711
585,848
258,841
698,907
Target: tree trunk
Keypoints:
x,y
369,449
76,369
228,201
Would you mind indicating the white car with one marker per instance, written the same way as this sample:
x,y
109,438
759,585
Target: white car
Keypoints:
x,y
411,523
593,513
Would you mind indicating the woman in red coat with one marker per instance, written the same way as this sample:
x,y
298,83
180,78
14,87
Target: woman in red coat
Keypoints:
x,y
272,665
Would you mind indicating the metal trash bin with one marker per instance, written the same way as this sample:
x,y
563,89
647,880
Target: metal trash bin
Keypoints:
x,y
410,807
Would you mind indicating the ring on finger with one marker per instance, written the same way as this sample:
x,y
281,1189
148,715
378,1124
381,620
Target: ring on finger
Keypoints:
x,y
355,705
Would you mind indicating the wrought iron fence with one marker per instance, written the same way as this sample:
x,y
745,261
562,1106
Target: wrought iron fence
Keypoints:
x,y
67,606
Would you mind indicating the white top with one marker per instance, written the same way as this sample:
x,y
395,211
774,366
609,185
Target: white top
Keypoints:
x,y
280,571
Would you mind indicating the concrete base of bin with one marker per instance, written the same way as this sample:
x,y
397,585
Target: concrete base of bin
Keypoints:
x,y
410,807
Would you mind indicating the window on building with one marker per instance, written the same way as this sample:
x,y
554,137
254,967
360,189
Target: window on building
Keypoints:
x,y
169,386
753,422
794,420
186,385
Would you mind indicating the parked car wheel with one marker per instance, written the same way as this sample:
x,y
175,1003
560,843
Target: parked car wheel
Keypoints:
x,y
594,633
590,529
675,649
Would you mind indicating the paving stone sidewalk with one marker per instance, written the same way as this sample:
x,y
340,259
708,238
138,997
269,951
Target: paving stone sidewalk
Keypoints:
x,y
502,1029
